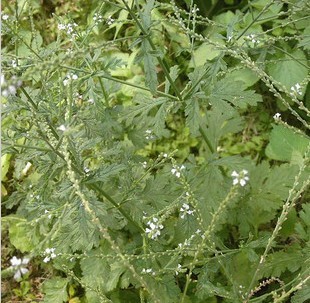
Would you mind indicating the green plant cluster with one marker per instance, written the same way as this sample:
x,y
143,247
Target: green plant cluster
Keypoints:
x,y
156,151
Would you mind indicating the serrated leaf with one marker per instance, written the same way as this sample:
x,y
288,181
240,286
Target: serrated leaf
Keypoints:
x,y
280,261
105,172
55,290
230,91
174,72
146,14
285,143
302,295
192,115
143,107
149,67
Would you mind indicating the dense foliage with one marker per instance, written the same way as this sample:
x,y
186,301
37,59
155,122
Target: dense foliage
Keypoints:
x,y
155,151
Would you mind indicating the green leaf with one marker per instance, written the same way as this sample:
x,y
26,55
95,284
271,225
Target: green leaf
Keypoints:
x,y
203,53
149,67
143,107
174,71
229,91
285,143
192,115
5,164
20,234
302,295
278,262
55,290
289,69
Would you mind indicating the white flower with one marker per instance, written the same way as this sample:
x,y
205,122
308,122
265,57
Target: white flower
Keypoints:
x,y
5,17
277,116
185,209
153,229
62,128
110,20
149,135
178,269
252,37
177,170
240,178
49,254
61,26
296,90
69,78
17,265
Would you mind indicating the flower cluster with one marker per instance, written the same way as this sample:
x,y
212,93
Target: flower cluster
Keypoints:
x,y
240,178
148,271
110,20
154,228
69,28
185,209
252,38
69,78
9,87
97,18
149,134
49,254
296,90
176,170
17,264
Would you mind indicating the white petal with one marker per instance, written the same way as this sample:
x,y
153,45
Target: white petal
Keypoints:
x,y
234,174
17,275
235,181
24,270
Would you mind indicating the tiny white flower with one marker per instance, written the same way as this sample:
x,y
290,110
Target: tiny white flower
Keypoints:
x,y
5,17
46,259
74,77
277,116
240,178
62,128
61,26
296,89
110,20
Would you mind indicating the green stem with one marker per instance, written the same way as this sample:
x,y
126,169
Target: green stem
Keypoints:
x,y
206,139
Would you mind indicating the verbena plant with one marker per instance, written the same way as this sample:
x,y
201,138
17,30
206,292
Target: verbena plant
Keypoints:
x,y
155,152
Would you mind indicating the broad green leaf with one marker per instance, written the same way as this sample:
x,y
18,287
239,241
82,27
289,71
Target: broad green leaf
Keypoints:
x,y
55,290
21,234
5,164
290,69
285,143
202,54
245,75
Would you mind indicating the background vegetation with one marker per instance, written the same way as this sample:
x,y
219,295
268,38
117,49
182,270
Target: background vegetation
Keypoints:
x,y
155,151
